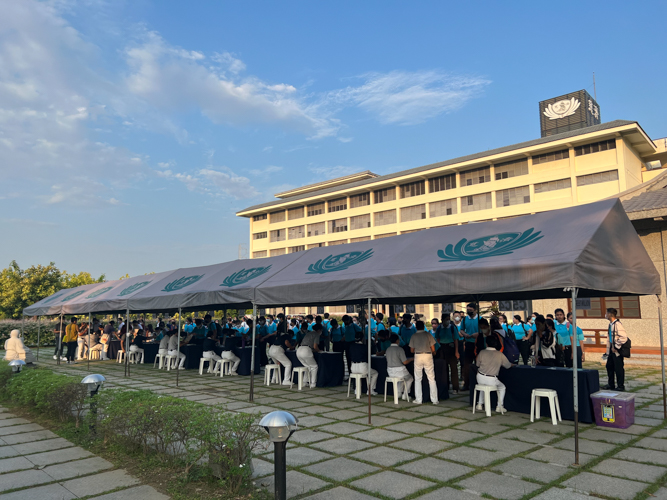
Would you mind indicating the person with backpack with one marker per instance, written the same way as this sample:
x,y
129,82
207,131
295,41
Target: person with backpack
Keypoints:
x,y
448,336
618,347
469,329
510,348
522,333
567,352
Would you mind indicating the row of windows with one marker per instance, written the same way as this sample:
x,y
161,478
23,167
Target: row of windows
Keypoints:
x,y
472,177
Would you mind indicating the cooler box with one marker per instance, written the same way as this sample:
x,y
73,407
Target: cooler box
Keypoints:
x,y
614,409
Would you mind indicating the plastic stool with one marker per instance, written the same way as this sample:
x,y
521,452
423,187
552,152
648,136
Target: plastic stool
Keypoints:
x,y
268,373
554,407
95,355
396,381
170,358
357,387
120,357
487,390
301,371
159,360
201,365
225,367
135,357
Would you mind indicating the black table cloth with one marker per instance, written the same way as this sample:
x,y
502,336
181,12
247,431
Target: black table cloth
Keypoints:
x,y
114,347
521,380
379,363
331,367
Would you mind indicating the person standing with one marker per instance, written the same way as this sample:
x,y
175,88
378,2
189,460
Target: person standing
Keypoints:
x,y
336,333
59,338
422,344
81,341
568,353
407,329
447,335
469,329
396,362
350,330
71,336
615,365
546,329
262,336
522,333
489,362
304,353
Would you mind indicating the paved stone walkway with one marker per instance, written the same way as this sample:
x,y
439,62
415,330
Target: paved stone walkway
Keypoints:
x,y
431,452
35,464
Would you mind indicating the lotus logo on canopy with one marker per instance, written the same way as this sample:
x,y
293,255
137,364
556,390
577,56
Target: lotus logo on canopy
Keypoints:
x,y
73,295
339,262
133,288
53,298
488,246
244,275
181,283
99,292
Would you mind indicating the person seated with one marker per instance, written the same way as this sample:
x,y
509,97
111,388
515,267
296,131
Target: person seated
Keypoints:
x,y
199,331
396,362
281,343
95,344
359,359
16,349
384,342
304,353
230,341
489,361
163,348
137,343
174,349
209,351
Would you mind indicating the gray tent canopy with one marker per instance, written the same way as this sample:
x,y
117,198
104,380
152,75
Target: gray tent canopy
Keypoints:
x,y
593,248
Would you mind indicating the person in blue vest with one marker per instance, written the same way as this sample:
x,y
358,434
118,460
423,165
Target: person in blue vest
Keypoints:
x,y
561,335
311,322
210,326
188,326
326,323
338,344
302,332
350,330
379,325
383,341
503,322
294,328
262,337
199,330
522,334
567,343
407,329
447,335
457,319
469,330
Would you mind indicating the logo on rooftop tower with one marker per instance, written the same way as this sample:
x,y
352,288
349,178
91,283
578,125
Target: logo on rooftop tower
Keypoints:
x,y
339,262
488,246
244,275
561,109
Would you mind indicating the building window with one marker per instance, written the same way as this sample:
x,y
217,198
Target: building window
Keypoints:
x,y
259,255
442,183
627,307
609,175
278,235
316,229
338,205
413,189
595,147
475,176
440,208
360,200
360,222
384,218
553,156
337,242
277,217
382,195
277,251
299,248
511,169
416,212
295,213
544,187
337,226
315,209
512,196
357,240
257,218
315,245
476,202
297,232
385,235
259,236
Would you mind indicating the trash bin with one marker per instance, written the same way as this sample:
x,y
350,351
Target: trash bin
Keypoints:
x,y
614,409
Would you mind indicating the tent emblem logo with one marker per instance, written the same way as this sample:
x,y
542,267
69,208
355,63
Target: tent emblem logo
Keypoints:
x,y
133,288
339,262
53,298
182,283
73,295
488,246
244,275
99,292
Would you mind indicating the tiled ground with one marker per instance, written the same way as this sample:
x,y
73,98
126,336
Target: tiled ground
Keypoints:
x,y
431,452
35,464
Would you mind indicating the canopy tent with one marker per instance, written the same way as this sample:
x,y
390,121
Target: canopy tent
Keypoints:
x,y
593,248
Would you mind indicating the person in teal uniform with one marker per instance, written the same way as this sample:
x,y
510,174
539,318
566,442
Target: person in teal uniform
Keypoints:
x,y
567,351
469,330
522,334
383,342
503,322
336,333
447,335
350,330
305,328
188,326
210,326
561,335
407,329
199,330
263,337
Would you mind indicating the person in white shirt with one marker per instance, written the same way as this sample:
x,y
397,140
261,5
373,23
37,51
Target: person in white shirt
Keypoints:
x,y
489,362
422,344
617,339
174,349
396,362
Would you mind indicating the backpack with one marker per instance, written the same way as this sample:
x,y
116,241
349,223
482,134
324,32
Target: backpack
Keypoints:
x,y
511,350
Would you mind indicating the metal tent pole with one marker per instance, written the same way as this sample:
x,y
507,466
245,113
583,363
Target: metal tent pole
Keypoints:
x,y
127,344
60,341
178,347
575,381
368,325
662,358
22,325
39,330
88,341
252,353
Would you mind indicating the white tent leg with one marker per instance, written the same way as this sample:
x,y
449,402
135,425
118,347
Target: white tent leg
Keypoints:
x,y
370,339
575,381
178,347
252,353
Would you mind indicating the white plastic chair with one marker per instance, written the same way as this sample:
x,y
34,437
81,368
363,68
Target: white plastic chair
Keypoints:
x,y
225,367
201,365
396,381
120,357
487,390
269,371
159,360
554,406
301,371
358,377
172,359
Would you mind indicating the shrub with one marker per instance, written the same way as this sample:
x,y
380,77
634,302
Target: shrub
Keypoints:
x,y
46,328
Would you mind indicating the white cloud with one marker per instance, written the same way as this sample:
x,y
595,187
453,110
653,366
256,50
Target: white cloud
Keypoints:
x,y
406,98
271,169
233,64
214,181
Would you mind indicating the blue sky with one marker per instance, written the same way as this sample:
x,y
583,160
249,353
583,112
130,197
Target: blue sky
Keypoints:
x,y
131,132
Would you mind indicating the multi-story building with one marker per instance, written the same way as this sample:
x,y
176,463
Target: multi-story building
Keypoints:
x,y
581,165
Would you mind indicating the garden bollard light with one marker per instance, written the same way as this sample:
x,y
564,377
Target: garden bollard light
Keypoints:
x,y
17,365
280,425
94,383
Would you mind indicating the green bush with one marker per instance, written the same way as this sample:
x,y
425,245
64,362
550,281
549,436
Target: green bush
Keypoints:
x,y
46,328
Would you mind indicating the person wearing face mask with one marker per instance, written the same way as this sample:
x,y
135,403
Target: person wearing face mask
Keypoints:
x,y
546,329
350,330
567,343
522,333
457,319
422,344
561,336
469,330
503,322
407,329
489,362
485,330
618,347
447,334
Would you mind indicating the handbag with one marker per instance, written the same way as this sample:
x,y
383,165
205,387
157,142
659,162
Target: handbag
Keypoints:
x,y
624,351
